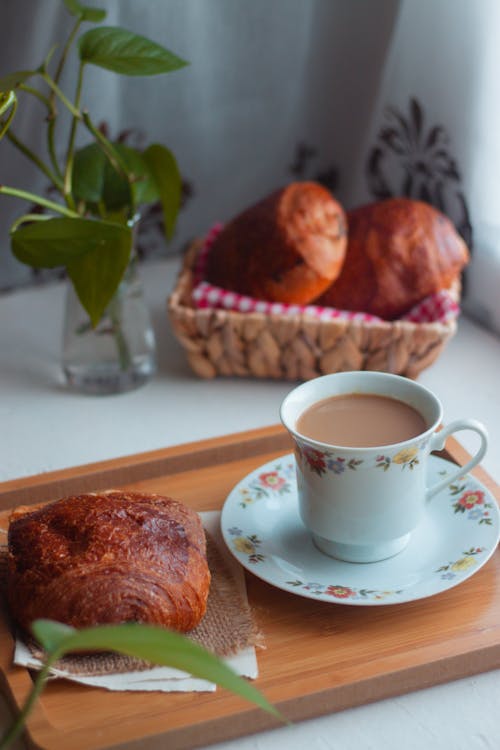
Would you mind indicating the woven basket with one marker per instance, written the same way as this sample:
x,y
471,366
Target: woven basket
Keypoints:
x,y
253,344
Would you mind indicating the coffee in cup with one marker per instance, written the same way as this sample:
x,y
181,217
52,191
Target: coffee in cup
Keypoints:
x,y
360,420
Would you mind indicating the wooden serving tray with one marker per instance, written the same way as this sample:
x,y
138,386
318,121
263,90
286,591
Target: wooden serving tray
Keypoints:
x,y
319,657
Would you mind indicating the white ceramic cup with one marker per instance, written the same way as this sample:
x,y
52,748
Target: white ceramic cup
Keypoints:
x,y
361,504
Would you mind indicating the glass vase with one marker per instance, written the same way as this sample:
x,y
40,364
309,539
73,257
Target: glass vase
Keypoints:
x,y
119,354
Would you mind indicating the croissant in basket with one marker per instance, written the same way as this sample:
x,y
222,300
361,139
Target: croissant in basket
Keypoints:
x,y
109,557
287,248
399,251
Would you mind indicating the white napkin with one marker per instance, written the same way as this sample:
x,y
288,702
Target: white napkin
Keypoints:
x,y
164,679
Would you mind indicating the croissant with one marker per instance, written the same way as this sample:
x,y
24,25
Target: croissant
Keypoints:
x,y
399,251
287,248
108,557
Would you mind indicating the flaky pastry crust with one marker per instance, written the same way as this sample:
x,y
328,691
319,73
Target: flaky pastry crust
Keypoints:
x,y
108,557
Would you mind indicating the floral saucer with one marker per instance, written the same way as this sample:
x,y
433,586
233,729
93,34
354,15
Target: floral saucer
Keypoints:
x,y
262,529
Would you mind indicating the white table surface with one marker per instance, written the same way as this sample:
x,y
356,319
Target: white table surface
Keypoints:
x,y
44,427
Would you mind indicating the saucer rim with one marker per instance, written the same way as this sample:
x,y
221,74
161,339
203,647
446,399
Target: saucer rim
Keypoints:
x,y
446,585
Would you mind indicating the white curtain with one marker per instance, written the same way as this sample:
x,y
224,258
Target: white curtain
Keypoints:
x,y
434,130
371,98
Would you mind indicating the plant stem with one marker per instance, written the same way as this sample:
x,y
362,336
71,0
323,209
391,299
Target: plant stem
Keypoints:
x,y
52,99
107,147
6,102
53,85
17,727
27,217
51,143
120,339
54,179
36,93
34,198
68,172
66,48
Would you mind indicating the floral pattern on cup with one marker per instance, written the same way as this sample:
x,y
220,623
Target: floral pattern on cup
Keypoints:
x,y
406,457
341,592
462,565
273,482
471,502
321,462
247,545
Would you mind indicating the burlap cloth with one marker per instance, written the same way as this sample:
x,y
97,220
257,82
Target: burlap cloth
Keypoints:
x,y
227,627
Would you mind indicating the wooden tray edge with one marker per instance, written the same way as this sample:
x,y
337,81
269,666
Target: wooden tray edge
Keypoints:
x,y
148,465
249,721
129,469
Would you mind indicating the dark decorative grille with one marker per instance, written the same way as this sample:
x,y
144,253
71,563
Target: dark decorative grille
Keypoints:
x,y
305,167
415,160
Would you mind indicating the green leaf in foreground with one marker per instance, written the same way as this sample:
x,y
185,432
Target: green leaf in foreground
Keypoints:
x,y
51,634
154,644
127,53
95,254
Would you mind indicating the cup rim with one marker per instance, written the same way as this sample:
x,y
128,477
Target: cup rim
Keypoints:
x,y
363,449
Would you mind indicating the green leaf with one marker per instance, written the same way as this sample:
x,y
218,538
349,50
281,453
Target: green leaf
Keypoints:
x,y
144,184
117,190
95,15
165,171
123,52
97,274
155,645
51,634
88,173
59,241
13,80
96,180
95,254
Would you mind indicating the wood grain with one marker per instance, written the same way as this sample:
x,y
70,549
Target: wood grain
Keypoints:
x,y
319,657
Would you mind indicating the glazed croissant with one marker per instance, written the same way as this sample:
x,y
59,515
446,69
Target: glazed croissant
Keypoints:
x,y
288,247
108,557
399,251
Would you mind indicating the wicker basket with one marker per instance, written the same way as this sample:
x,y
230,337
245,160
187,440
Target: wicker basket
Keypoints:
x,y
253,344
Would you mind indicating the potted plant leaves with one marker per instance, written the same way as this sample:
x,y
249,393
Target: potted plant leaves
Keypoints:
x,y
89,228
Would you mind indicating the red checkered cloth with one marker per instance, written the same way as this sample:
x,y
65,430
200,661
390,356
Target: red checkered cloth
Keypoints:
x,y
440,307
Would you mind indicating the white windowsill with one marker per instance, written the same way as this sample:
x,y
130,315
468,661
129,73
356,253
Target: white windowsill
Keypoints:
x,y
45,427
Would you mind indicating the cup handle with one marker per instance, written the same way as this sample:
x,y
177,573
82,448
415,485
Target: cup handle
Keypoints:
x,y
438,441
